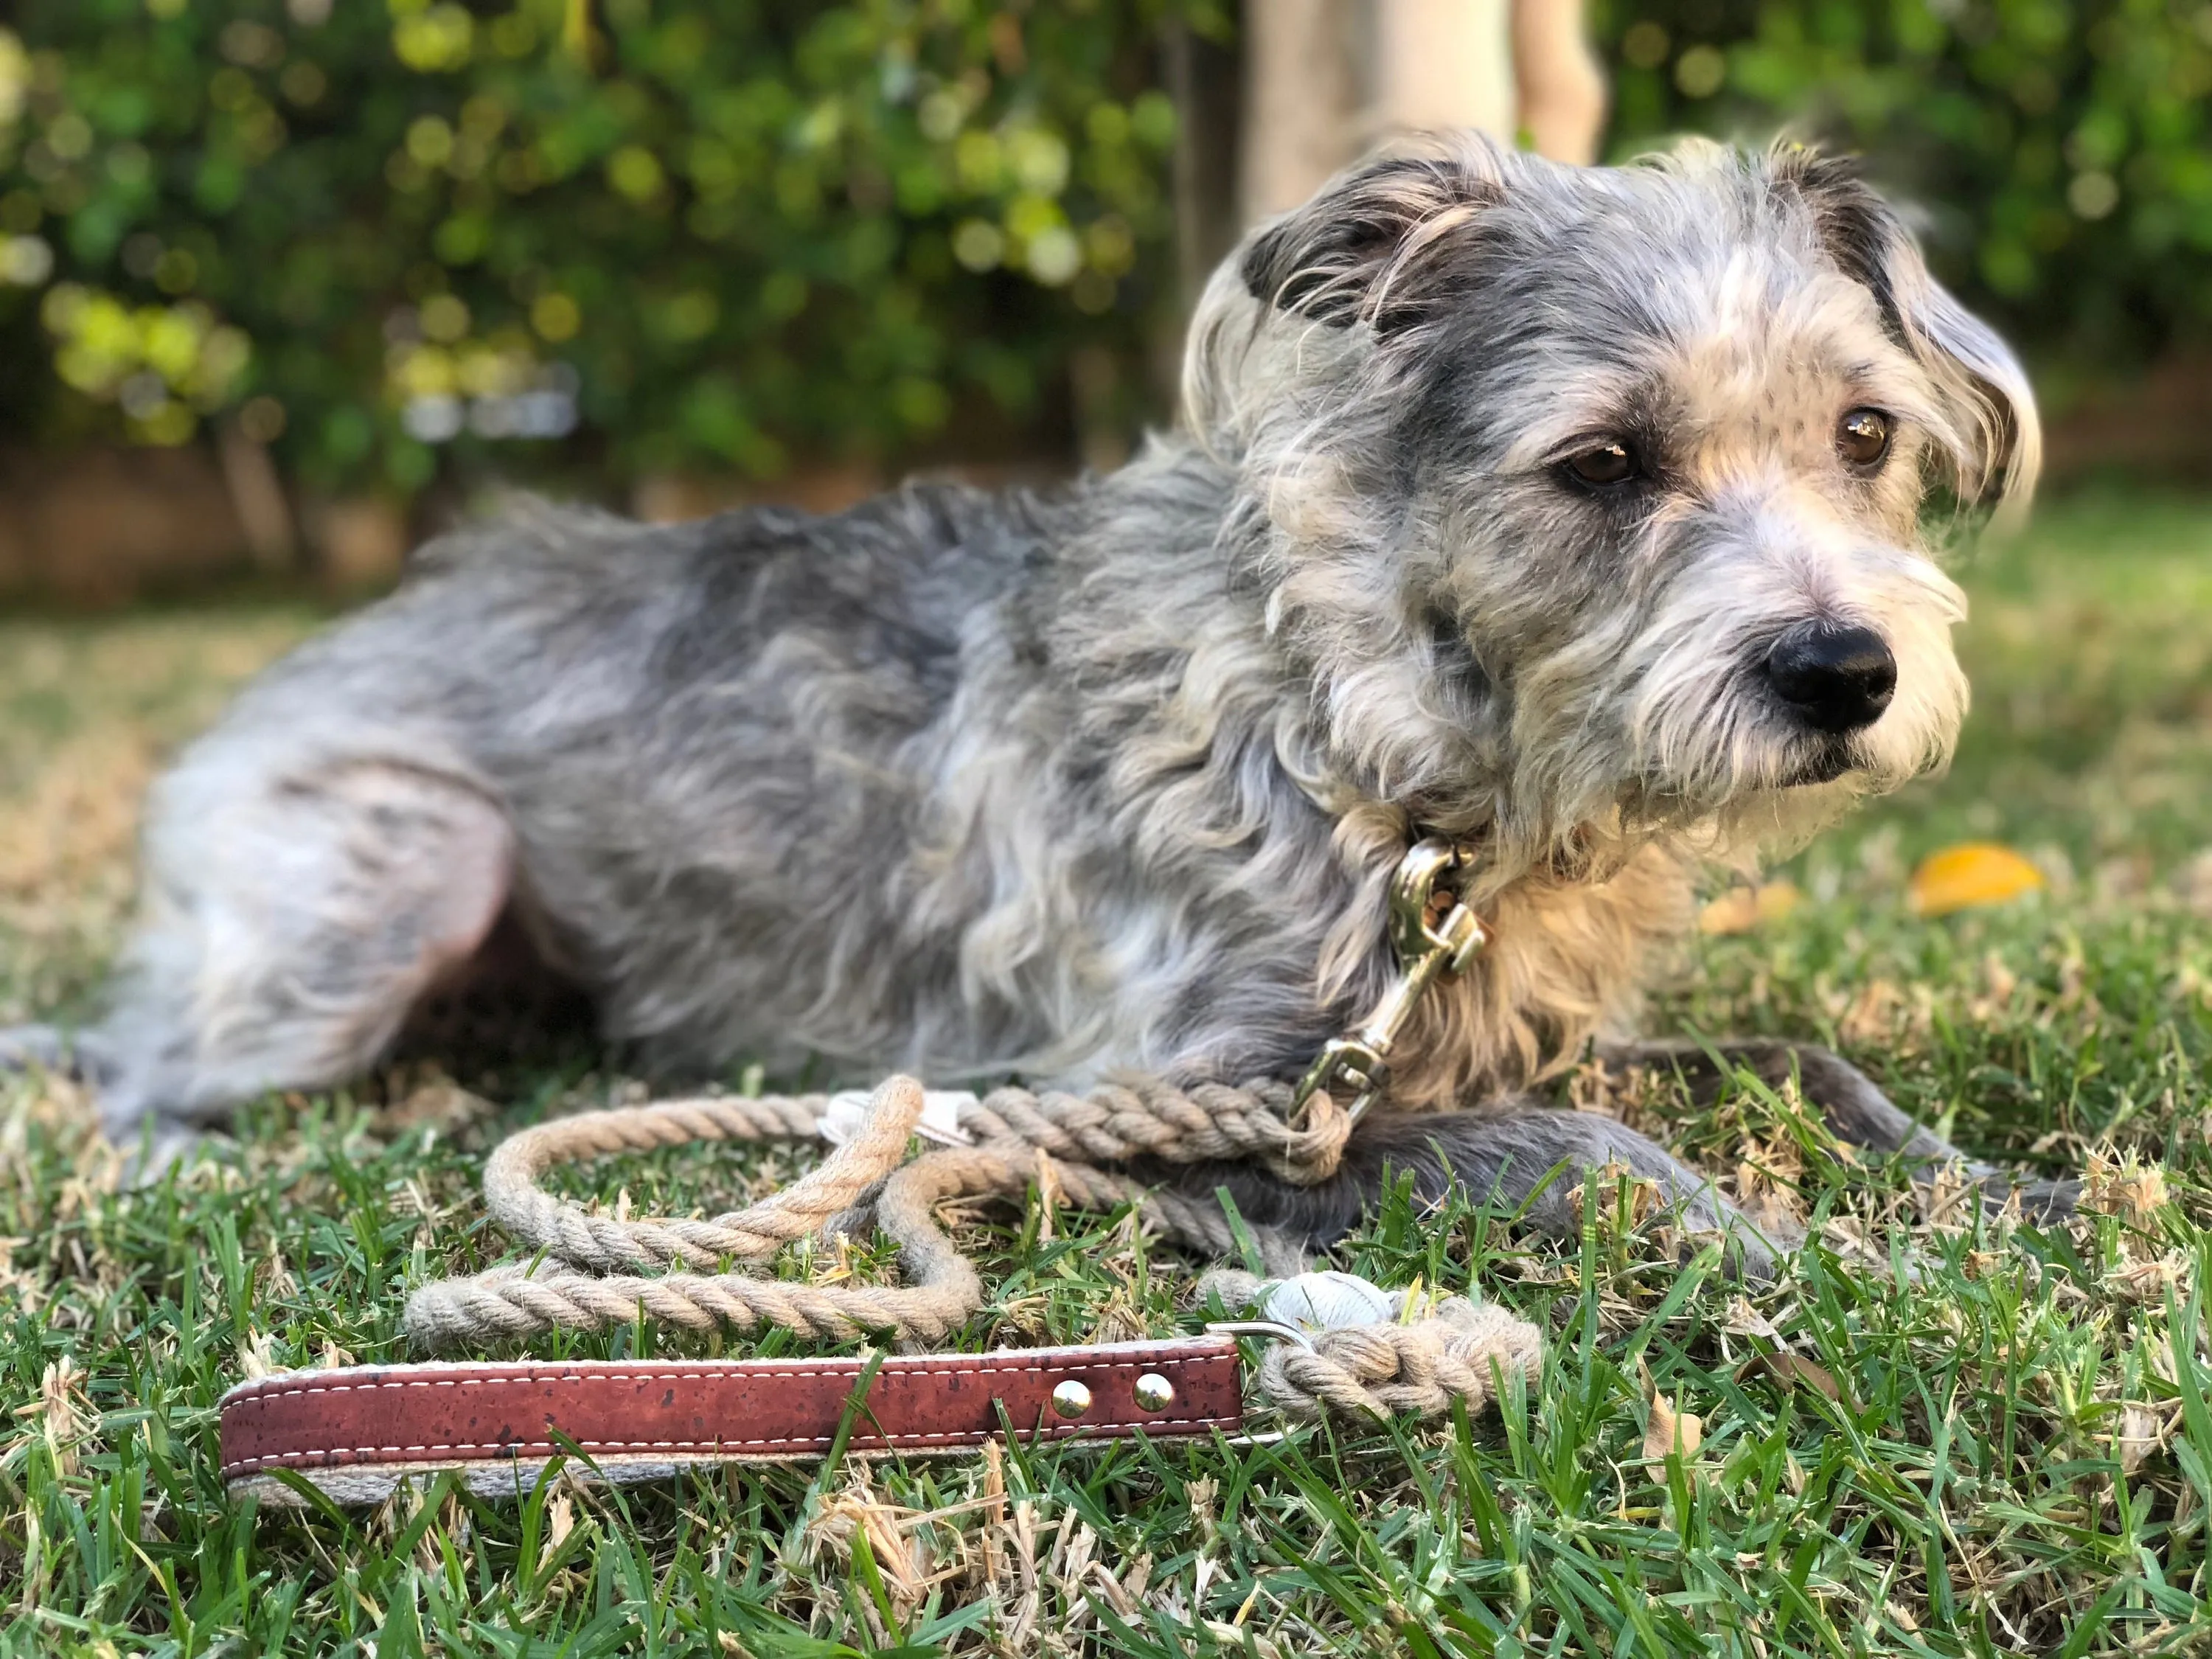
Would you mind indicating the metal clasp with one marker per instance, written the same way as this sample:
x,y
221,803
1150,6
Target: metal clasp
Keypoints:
x,y
1435,936
1273,1331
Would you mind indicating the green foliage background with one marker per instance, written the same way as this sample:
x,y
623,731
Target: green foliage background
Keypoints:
x,y
727,234
748,228
2060,150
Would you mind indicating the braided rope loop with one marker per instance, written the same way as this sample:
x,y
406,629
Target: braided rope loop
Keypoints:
x,y
1454,1350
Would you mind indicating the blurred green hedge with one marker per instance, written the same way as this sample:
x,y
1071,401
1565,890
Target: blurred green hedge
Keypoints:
x,y
711,234
2060,150
409,238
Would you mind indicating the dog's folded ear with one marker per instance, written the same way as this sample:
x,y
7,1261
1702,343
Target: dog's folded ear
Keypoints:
x,y
1370,247
1995,444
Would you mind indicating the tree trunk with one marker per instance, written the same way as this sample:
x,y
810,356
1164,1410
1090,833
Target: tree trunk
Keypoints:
x,y
1325,81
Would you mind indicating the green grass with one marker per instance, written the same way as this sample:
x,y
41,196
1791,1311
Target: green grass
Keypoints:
x,y
2015,1455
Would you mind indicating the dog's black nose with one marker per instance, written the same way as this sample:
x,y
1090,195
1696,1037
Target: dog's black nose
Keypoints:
x,y
1835,677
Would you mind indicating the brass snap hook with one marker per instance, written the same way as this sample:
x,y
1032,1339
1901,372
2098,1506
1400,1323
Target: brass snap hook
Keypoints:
x,y
1434,937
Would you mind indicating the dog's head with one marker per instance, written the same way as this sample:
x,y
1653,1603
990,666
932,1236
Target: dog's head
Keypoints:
x,y
1597,498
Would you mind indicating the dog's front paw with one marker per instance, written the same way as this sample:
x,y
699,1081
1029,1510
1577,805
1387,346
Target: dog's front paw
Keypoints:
x,y
163,1145
152,1142
1750,1252
2040,1201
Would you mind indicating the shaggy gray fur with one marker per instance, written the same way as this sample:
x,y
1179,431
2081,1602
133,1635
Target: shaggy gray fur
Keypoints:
x,y
978,784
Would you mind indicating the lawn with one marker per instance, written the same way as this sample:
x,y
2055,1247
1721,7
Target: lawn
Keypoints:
x,y
1991,1440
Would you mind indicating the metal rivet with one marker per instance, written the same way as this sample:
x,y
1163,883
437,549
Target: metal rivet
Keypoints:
x,y
1071,1399
1154,1392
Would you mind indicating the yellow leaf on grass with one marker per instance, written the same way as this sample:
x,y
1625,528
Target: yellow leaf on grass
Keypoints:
x,y
1973,873
1669,1429
1742,909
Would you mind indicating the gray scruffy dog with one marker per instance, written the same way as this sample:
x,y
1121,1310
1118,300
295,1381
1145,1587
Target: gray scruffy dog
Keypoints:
x,y
1578,512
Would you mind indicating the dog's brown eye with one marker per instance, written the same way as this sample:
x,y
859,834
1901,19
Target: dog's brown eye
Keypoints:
x,y
1863,437
1609,463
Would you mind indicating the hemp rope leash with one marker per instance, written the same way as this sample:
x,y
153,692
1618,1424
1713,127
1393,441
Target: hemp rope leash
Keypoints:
x,y
582,1284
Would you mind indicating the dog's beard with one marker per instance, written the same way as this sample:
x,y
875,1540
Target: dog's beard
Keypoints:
x,y
1829,759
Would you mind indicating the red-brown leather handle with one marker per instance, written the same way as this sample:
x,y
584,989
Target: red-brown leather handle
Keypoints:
x,y
355,1431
